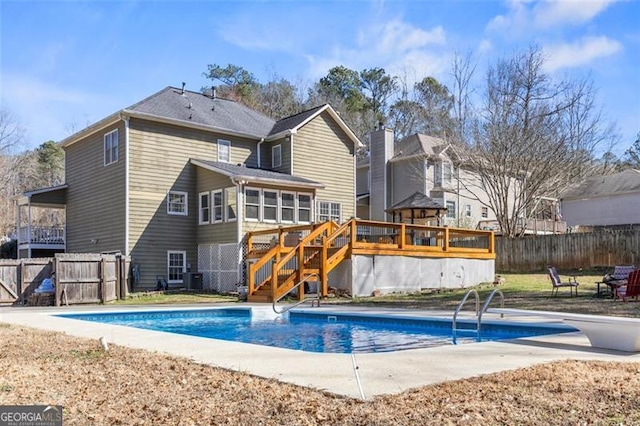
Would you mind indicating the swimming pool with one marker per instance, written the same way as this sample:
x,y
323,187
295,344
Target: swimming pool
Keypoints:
x,y
334,332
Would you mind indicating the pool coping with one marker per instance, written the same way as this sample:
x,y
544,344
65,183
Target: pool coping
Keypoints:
x,y
361,376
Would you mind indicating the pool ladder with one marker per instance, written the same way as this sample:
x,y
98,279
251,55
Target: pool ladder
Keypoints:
x,y
314,299
479,311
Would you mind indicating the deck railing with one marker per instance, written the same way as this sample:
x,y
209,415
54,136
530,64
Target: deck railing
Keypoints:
x,y
325,245
41,235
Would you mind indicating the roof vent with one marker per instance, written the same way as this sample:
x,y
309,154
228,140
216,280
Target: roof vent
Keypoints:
x,y
183,84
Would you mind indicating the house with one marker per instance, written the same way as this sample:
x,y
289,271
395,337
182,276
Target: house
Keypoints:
x,y
394,172
418,163
603,200
176,181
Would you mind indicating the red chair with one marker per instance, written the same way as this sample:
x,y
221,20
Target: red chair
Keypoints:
x,y
632,289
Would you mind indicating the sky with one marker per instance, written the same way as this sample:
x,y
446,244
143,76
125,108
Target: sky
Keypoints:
x,y
67,64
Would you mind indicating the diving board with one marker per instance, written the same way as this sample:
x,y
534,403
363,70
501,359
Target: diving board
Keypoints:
x,y
604,332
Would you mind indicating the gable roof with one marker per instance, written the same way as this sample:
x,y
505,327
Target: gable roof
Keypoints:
x,y
419,144
619,183
251,175
417,201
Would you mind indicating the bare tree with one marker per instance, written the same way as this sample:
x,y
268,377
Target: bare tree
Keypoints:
x,y
529,138
462,71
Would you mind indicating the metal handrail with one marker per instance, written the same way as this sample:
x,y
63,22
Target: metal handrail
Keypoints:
x,y
287,308
460,305
486,306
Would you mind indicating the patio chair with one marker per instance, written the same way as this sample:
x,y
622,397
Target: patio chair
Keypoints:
x,y
617,278
556,282
631,289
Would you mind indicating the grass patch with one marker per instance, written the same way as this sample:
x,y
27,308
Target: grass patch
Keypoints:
x,y
160,298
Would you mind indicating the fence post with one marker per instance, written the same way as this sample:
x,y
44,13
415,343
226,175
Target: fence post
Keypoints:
x,y
118,271
56,281
103,279
19,281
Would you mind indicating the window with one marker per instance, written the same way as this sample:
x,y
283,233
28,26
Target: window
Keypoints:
x,y
328,211
288,207
451,209
270,206
252,204
205,208
485,212
304,208
111,147
447,172
276,156
467,210
177,203
230,203
176,266
217,206
223,150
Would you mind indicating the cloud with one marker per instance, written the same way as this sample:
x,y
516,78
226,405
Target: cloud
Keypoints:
x,y
583,52
554,12
524,16
393,45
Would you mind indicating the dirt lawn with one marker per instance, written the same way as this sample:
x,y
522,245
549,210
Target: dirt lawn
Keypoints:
x,y
134,387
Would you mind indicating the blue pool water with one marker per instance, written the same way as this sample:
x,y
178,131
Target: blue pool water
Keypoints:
x,y
318,332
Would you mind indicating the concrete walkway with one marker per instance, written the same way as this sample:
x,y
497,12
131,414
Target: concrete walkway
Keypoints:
x,y
358,376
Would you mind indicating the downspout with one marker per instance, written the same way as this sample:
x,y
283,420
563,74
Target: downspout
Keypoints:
x,y
239,219
126,184
259,156
291,153
28,229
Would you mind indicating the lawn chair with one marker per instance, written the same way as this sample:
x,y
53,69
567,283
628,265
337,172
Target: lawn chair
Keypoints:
x,y
631,289
556,282
617,278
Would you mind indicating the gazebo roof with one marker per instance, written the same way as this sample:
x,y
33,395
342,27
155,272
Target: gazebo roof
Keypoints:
x,y
417,201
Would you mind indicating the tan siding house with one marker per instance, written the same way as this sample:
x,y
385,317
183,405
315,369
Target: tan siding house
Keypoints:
x,y
176,180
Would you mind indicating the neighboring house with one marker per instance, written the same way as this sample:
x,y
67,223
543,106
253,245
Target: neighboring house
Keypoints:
x,y
418,163
176,180
603,200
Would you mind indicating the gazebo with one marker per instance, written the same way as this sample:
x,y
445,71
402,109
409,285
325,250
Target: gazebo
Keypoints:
x,y
417,209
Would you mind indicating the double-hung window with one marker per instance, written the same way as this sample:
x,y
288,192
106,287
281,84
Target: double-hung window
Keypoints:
x,y
276,156
224,148
328,210
230,203
177,203
287,207
304,208
467,210
217,211
451,209
252,204
176,266
447,172
270,206
484,212
205,208
111,147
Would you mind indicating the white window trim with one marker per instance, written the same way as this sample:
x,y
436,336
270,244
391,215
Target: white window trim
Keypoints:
x,y
274,149
455,213
484,212
251,219
227,143
282,207
213,206
186,203
467,210
311,204
184,265
104,147
226,204
330,205
277,206
200,221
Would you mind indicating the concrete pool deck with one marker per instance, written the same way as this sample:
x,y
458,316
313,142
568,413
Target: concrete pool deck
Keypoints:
x,y
358,376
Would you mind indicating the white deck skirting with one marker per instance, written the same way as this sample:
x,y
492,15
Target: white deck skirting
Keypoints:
x,y
605,332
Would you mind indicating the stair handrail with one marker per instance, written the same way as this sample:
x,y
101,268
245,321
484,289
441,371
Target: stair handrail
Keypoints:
x,y
334,235
269,256
460,305
287,257
486,306
306,299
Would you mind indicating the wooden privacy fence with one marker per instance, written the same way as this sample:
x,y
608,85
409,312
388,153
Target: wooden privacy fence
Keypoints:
x,y
568,251
79,278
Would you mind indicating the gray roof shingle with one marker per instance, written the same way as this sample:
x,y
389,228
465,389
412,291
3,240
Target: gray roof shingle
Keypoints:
x,y
293,121
202,109
240,171
419,144
626,181
417,201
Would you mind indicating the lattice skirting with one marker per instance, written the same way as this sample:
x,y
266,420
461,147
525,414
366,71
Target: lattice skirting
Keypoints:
x,y
220,266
